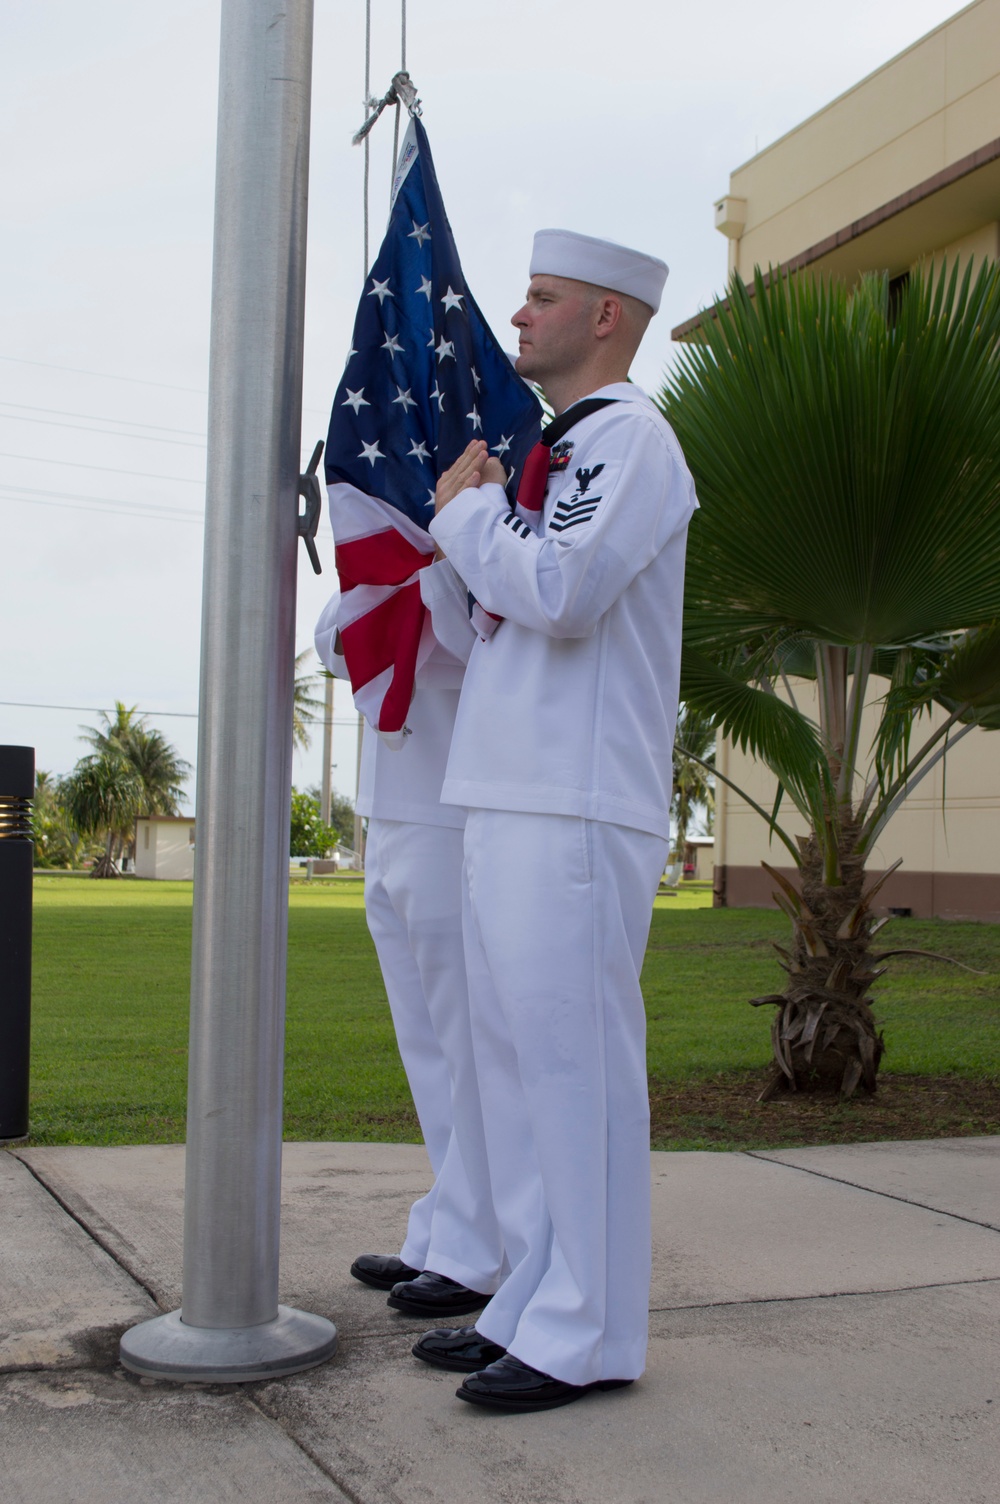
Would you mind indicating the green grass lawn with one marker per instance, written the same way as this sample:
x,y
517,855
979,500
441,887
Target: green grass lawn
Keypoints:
x,y
111,966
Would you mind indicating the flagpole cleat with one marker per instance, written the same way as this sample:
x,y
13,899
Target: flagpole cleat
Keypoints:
x,y
312,495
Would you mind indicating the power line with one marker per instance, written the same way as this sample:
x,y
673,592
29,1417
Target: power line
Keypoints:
x,y
39,459
48,365
188,715
166,386
109,506
62,412
79,506
149,438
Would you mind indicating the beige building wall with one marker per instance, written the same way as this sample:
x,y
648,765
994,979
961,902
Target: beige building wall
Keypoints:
x,y
900,170
164,848
928,110
947,832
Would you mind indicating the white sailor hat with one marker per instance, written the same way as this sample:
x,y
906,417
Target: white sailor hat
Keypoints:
x,y
564,253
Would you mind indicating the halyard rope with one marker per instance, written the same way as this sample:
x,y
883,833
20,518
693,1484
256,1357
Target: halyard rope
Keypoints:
x,y
400,91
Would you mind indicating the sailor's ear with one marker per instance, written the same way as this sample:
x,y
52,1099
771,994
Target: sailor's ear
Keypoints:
x,y
609,315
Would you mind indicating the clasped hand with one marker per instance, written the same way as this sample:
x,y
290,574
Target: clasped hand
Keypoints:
x,y
474,467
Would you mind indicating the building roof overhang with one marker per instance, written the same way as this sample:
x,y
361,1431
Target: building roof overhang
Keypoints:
x,y
900,233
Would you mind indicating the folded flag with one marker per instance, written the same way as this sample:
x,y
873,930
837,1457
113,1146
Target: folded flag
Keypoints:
x,y
425,375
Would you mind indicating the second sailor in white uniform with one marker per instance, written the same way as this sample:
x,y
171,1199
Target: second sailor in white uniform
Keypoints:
x,y
451,1258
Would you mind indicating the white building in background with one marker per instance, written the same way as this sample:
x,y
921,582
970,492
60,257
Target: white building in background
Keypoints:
x,y
164,847
903,168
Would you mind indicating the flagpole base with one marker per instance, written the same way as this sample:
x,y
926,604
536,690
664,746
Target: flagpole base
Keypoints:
x,y
166,1348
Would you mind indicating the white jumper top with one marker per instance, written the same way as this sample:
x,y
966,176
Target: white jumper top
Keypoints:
x,y
403,782
569,707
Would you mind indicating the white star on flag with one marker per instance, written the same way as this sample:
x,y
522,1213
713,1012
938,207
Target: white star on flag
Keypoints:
x,y
397,424
501,449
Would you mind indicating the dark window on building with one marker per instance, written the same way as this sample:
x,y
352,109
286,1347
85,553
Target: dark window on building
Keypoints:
x,y
897,286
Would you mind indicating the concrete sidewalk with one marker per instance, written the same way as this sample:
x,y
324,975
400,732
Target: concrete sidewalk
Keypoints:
x,y
824,1329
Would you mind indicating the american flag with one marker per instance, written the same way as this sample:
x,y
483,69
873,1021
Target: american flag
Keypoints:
x,y
424,376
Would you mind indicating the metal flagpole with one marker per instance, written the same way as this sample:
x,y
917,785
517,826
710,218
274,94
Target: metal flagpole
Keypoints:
x,y
230,1326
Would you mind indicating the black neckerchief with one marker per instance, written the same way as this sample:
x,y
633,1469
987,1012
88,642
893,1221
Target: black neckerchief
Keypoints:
x,y
554,431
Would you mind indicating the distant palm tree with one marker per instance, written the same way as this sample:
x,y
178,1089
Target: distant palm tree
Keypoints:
x,y
162,771
57,843
116,729
694,778
305,707
103,797
160,768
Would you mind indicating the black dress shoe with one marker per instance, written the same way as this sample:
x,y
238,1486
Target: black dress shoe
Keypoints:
x,y
383,1270
509,1384
461,1349
433,1294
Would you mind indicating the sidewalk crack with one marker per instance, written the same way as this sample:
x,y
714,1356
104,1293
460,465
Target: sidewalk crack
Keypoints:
x,y
350,1494
767,1159
777,1300
103,1243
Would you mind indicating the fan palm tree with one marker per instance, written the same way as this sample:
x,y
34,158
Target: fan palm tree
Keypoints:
x,y
847,458
103,796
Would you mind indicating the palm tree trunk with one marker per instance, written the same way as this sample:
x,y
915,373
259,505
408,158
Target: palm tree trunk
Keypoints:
x,y
824,1033
105,864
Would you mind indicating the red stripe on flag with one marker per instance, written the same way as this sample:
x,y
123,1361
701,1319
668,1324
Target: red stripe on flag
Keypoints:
x,y
397,699
386,637
384,558
534,478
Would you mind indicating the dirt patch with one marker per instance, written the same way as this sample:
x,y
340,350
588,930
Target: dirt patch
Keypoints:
x,y
721,1112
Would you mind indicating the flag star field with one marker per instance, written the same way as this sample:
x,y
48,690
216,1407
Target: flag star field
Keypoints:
x,y
425,373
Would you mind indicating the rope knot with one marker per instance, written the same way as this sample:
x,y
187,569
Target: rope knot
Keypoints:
x,y
402,90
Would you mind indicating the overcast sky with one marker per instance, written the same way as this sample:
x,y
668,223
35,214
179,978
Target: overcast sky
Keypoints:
x,y
623,121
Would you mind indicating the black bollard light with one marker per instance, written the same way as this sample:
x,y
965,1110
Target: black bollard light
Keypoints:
x,y
17,789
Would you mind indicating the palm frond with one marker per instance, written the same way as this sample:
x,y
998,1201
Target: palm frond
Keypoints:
x,y
763,725
970,677
848,465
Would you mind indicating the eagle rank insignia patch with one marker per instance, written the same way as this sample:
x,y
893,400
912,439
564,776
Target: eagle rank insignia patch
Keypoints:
x,y
580,505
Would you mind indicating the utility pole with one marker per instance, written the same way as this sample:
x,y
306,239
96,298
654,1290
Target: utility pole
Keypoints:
x,y
359,833
230,1327
326,791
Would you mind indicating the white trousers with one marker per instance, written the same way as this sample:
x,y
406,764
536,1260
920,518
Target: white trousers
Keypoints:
x,y
413,902
557,918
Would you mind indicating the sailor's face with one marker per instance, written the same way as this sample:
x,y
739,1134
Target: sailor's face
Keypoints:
x,y
555,327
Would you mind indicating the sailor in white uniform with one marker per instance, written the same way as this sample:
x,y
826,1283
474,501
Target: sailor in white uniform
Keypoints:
x,y
451,1259
562,755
